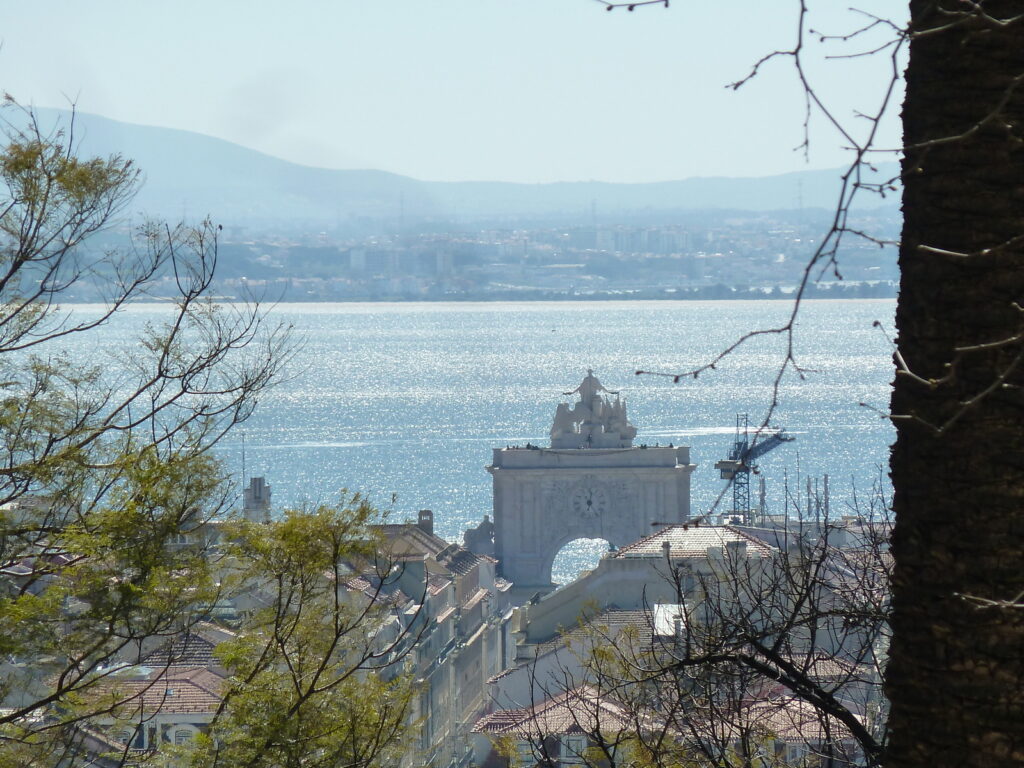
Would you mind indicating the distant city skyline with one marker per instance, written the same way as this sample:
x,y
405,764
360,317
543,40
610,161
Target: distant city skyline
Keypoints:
x,y
527,91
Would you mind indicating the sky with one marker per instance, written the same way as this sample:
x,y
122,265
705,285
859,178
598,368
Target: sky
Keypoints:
x,y
457,90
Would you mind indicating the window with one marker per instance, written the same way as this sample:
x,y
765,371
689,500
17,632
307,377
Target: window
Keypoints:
x,y
524,753
572,750
181,735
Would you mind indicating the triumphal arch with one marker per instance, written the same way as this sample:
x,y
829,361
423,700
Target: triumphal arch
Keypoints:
x,y
590,482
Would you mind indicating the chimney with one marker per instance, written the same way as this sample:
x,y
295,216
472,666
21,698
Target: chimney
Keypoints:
x,y
426,521
736,549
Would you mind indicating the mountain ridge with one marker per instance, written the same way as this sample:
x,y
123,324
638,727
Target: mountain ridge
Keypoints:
x,y
191,174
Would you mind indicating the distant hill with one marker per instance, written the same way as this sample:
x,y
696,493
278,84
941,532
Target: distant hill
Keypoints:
x,y
191,174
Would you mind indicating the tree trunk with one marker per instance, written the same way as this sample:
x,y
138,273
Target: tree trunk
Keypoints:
x,y
956,673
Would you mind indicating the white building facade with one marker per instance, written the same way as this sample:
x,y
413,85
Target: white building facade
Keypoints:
x,y
591,482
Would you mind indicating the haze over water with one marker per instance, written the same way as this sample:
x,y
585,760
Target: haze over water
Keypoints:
x,y
409,399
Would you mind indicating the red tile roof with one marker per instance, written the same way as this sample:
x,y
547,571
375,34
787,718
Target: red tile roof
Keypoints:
x,y
194,690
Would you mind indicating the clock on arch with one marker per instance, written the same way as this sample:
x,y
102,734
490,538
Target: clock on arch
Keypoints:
x,y
589,501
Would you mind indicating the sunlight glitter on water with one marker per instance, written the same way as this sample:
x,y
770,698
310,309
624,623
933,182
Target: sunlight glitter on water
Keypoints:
x,y
411,399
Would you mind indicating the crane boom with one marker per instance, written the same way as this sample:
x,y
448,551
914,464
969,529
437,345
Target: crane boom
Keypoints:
x,y
771,442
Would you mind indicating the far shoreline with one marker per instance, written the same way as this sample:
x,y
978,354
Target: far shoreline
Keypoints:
x,y
881,292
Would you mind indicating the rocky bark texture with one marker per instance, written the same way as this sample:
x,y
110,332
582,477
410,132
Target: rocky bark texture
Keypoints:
x,y
956,675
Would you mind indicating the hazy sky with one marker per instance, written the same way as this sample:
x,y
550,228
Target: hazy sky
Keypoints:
x,y
511,90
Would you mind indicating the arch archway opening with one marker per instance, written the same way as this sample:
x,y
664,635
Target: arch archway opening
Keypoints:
x,y
576,557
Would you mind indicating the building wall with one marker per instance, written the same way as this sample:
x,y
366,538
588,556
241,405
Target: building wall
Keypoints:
x,y
545,498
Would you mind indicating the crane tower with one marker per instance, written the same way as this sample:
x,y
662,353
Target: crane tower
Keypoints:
x,y
743,458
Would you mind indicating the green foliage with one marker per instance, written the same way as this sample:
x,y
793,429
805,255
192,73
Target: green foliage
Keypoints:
x,y
311,683
114,532
269,722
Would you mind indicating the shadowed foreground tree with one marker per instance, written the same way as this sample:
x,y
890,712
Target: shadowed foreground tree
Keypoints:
x,y
956,676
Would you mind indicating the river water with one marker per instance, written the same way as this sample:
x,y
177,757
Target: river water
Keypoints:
x,y
405,401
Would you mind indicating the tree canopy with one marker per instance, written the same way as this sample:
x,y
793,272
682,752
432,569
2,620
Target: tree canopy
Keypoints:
x,y
116,536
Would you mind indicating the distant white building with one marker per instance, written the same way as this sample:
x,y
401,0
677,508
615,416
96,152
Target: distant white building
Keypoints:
x,y
462,631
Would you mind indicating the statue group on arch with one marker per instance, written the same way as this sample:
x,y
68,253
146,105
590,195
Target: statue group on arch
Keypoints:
x,y
594,421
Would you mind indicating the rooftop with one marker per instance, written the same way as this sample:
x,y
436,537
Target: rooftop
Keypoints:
x,y
581,710
692,540
193,649
192,690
